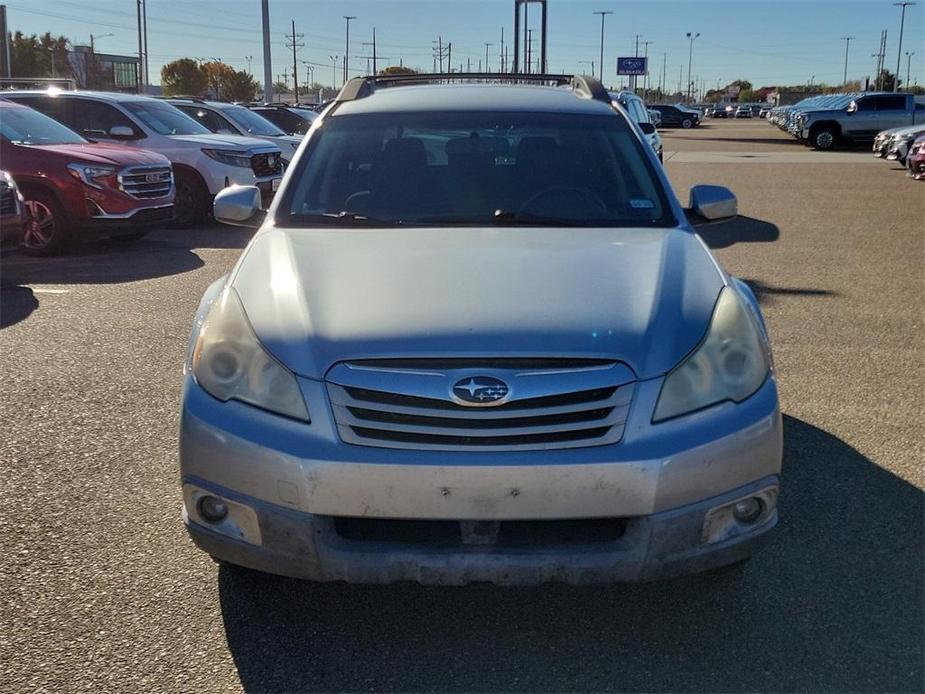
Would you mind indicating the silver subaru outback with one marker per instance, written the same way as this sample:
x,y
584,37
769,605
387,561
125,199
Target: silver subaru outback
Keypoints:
x,y
476,338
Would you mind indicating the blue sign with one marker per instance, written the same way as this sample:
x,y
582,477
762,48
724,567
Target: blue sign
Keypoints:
x,y
632,66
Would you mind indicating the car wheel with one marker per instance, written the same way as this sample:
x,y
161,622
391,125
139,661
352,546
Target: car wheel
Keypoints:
x,y
46,229
687,123
823,138
191,201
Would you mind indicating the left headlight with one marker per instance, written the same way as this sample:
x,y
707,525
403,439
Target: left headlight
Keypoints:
x,y
731,363
91,175
229,363
229,157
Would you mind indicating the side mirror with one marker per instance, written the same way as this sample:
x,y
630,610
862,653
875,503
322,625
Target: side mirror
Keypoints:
x,y
239,206
121,132
647,128
713,202
852,107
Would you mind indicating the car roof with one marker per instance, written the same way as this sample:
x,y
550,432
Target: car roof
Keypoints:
x,y
112,97
473,97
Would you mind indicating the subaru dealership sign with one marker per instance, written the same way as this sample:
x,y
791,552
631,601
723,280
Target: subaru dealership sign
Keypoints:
x,y
632,66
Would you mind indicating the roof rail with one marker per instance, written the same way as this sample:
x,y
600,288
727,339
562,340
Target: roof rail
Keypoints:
x,y
197,99
583,85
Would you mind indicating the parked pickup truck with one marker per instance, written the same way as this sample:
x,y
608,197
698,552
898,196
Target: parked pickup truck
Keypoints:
x,y
861,120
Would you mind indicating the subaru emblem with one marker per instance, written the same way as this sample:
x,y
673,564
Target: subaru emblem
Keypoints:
x,y
480,391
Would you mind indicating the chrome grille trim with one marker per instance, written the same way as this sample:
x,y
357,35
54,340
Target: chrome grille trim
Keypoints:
x,y
550,408
134,181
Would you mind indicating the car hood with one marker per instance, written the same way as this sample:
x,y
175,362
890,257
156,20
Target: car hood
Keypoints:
x,y
238,142
318,296
909,130
117,155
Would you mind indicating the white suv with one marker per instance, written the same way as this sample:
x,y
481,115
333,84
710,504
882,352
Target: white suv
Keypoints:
x,y
203,163
233,119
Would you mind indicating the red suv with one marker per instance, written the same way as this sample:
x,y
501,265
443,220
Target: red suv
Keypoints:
x,y
75,189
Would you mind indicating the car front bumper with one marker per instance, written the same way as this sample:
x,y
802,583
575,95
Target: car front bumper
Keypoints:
x,y
285,481
128,223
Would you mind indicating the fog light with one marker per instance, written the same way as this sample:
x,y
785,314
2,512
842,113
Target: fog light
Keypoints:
x,y
212,508
748,510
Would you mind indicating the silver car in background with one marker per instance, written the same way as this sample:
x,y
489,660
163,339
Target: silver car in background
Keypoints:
x,y
476,338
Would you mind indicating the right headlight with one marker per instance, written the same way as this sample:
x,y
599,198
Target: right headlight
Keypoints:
x,y
731,363
229,363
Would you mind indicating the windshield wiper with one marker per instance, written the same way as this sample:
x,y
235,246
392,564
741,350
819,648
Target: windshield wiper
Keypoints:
x,y
343,217
503,217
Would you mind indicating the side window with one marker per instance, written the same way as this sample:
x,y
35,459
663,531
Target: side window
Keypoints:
x,y
868,104
891,103
639,113
209,119
94,119
50,106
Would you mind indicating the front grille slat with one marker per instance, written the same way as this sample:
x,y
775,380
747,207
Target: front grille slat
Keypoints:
x,y
267,164
7,200
135,181
583,416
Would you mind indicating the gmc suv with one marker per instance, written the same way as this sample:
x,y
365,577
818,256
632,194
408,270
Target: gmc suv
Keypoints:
x,y
859,120
203,163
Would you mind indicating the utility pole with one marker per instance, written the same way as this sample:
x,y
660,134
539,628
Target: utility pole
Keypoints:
x,y
690,57
334,72
347,49
681,80
375,66
602,13
449,57
144,28
267,64
899,51
908,66
487,64
847,40
645,79
587,62
501,52
528,64
664,85
293,43
140,51
248,58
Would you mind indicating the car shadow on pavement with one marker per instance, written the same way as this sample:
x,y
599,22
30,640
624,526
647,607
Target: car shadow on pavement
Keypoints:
x,y
739,229
160,254
833,603
16,303
766,293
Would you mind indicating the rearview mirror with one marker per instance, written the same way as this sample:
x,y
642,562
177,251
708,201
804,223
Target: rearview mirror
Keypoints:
x,y
121,132
713,202
239,206
647,128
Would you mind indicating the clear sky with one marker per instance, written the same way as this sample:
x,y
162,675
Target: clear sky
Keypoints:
x,y
764,41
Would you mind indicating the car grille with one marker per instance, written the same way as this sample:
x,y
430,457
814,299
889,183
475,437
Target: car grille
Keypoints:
x,y
143,182
267,164
7,200
400,404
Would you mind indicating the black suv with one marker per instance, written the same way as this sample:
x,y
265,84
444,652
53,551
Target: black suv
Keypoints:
x,y
292,120
677,117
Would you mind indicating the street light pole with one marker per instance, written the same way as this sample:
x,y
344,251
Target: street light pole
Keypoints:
x,y
487,66
334,71
847,40
899,51
690,58
908,66
602,13
347,49
588,62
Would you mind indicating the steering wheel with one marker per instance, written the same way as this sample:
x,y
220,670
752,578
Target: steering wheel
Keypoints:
x,y
567,197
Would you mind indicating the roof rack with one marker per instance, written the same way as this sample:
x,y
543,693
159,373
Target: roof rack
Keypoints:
x,y
583,85
197,99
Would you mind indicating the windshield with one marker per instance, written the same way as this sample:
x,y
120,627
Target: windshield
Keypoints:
x,y
164,119
477,168
253,123
28,127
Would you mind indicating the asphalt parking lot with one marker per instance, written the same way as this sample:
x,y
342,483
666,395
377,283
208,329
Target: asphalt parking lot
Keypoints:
x,y
102,590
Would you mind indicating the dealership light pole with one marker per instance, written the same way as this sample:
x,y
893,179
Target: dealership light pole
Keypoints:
x,y
690,58
347,49
847,40
908,67
267,65
602,13
899,51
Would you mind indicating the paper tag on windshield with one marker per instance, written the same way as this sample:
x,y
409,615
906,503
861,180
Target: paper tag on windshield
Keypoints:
x,y
641,204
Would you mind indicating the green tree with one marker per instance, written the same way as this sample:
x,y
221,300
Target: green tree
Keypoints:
x,y
397,70
239,86
280,88
39,56
183,76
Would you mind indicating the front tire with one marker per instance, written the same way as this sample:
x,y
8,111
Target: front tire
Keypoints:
x,y
687,123
46,229
191,205
823,138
